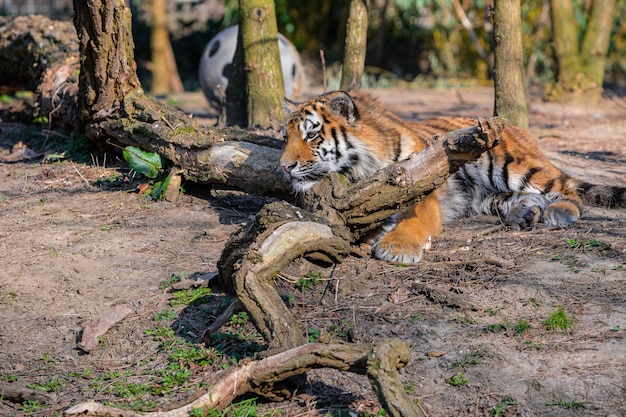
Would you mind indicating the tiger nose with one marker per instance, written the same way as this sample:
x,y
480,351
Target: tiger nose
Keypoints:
x,y
289,167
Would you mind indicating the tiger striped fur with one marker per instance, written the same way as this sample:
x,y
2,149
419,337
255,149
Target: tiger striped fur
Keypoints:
x,y
352,133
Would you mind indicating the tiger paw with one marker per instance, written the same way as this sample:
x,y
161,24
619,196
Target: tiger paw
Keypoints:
x,y
401,247
526,212
561,213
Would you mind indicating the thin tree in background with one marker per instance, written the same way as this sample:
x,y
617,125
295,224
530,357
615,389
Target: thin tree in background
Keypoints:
x,y
165,78
510,99
580,63
356,45
255,89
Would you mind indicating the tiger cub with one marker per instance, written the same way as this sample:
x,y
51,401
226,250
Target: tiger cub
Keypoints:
x,y
352,133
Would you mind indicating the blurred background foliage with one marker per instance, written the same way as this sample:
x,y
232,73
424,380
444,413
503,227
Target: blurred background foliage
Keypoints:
x,y
414,40
418,41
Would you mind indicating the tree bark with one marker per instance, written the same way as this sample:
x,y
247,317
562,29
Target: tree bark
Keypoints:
x,y
234,111
256,254
383,364
262,62
355,46
108,71
510,99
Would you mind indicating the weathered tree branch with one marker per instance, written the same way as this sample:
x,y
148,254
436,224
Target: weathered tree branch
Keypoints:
x,y
383,364
255,255
379,362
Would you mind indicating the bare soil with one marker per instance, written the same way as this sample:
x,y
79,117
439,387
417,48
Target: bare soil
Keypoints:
x,y
76,240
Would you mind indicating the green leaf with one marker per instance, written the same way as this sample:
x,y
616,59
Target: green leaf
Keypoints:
x,y
160,188
146,163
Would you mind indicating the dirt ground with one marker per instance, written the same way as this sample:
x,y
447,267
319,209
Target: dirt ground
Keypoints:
x,y
76,241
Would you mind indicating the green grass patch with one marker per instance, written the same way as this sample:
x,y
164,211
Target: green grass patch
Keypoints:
x,y
558,319
568,404
245,408
470,359
519,327
171,281
501,406
457,380
53,384
311,279
191,297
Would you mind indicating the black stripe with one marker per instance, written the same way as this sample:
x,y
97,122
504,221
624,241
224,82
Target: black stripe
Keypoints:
x,y
397,148
344,134
354,160
617,196
505,169
333,133
467,180
548,187
356,113
530,173
490,170
585,186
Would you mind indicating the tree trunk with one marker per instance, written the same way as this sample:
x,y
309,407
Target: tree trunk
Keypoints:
x,y
580,66
159,41
264,92
510,100
595,43
356,45
165,78
234,111
262,62
108,69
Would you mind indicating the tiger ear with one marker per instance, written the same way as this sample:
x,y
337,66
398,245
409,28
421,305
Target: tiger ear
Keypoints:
x,y
341,103
289,106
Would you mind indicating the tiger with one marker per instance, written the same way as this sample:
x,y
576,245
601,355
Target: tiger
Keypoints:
x,y
353,134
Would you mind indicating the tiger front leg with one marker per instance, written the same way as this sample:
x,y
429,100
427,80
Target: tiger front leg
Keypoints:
x,y
412,234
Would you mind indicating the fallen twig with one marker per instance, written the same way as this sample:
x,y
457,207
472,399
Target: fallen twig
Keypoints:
x,y
444,297
233,308
94,329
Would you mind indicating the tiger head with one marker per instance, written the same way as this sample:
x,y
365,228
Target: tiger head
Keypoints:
x,y
322,136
